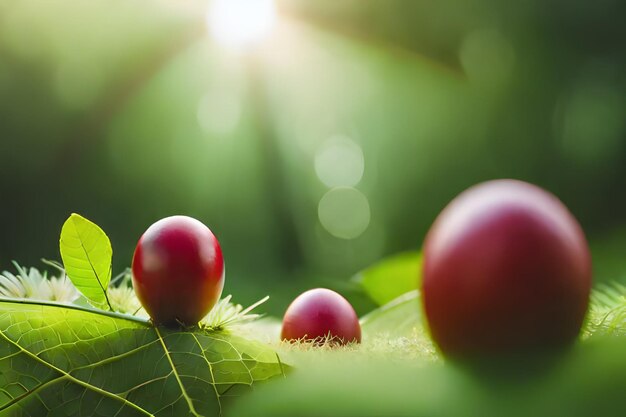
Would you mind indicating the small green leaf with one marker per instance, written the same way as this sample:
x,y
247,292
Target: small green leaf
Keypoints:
x,y
86,252
392,277
607,311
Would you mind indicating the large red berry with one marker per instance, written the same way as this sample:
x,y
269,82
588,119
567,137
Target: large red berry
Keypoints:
x,y
319,314
506,270
178,270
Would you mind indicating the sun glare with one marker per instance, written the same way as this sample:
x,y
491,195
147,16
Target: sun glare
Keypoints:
x,y
240,24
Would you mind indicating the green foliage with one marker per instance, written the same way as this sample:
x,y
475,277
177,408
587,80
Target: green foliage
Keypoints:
x,y
86,252
397,371
64,360
607,312
588,380
398,328
398,317
392,277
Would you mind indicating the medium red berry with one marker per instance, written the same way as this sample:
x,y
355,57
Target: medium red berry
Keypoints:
x,y
178,270
506,270
320,313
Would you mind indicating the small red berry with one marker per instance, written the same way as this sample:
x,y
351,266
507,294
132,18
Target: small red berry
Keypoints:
x,y
506,270
178,270
320,313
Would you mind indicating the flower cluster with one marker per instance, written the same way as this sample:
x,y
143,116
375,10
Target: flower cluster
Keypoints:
x,y
32,283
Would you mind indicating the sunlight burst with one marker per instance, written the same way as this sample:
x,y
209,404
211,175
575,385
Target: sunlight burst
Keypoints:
x,y
240,24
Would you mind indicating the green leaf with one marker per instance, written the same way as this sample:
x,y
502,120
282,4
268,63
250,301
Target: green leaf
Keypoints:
x,y
607,311
399,329
59,360
86,252
587,380
392,277
400,317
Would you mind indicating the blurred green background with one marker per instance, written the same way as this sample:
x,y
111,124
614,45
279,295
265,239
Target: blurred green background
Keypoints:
x,y
313,137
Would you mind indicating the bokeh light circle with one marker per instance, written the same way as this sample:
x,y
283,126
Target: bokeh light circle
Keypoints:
x,y
344,212
340,162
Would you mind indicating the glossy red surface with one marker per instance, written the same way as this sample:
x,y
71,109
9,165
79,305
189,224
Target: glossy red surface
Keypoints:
x,y
317,313
178,270
506,270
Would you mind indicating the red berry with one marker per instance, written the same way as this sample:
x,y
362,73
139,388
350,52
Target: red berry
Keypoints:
x,y
319,313
506,270
178,270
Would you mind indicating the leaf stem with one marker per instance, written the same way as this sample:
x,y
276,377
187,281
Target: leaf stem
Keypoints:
x,y
112,314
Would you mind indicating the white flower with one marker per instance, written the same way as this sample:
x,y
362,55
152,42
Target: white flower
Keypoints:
x,y
124,300
31,283
122,297
226,313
